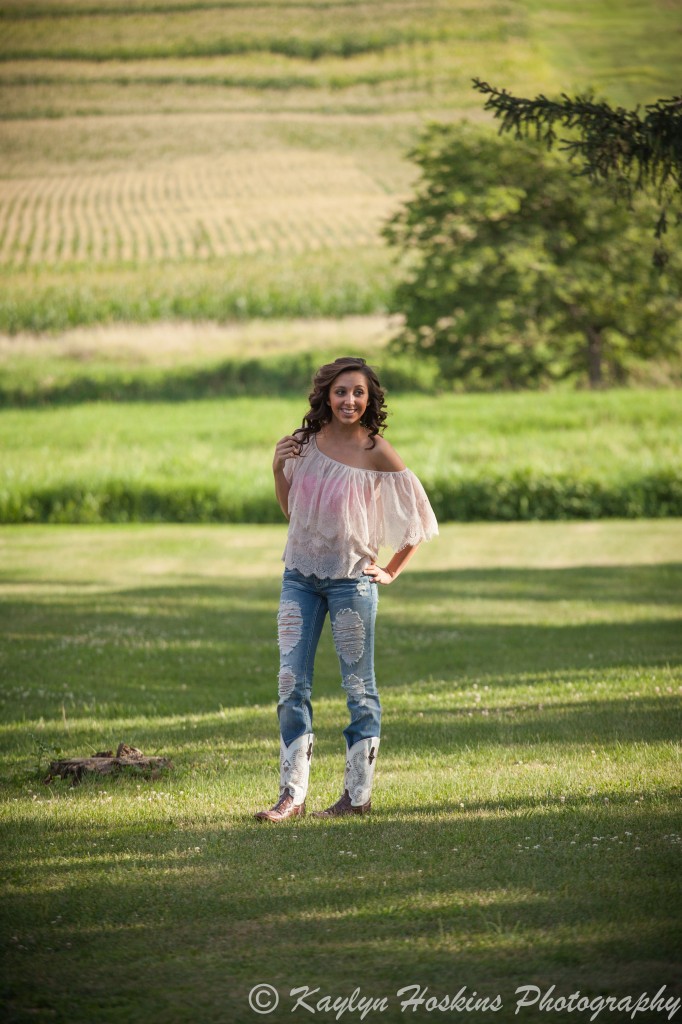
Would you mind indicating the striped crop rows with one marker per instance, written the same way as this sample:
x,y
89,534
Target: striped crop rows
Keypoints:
x,y
285,201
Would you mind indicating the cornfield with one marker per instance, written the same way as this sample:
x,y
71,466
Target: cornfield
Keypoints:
x,y
283,201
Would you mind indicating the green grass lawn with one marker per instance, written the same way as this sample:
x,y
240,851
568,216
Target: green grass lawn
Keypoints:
x,y
526,826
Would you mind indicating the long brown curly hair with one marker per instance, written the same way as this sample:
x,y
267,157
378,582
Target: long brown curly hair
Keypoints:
x,y
320,413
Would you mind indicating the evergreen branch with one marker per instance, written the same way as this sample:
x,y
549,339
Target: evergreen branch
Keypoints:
x,y
633,153
646,151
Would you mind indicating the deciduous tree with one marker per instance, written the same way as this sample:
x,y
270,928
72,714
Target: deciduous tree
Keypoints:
x,y
517,272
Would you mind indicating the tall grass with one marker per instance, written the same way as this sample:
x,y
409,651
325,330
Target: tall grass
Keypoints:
x,y
329,283
506,457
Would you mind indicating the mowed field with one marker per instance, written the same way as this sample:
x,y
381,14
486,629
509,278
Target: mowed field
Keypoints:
x,y
525,827
179,160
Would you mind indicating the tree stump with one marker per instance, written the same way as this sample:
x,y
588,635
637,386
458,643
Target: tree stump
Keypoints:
x,y
127,759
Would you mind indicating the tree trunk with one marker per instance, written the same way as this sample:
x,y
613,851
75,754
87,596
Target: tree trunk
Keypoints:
x,y
595,349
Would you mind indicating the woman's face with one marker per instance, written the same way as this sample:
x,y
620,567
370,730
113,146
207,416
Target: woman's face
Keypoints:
x,y
348,397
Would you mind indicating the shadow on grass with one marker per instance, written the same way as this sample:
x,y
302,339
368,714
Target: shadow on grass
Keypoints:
x,y
231,377
440,731
186,648
629,584
580,897
273,377
176,915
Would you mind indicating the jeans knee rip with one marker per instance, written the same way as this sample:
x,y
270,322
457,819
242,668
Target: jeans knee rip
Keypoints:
x,y
355,688
349,635
289,626
287,682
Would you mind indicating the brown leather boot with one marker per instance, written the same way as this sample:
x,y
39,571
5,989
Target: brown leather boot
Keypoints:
x,y
294,772
343,806
283,809
357,780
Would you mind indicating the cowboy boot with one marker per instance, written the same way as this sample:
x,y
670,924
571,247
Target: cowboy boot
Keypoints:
x,y
294,772
357,780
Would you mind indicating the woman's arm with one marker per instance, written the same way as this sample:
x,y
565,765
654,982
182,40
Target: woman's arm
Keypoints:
x,y
387,460
287,448
394,567
282,488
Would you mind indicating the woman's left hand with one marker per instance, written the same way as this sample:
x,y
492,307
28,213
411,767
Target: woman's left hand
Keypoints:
x,y
378,575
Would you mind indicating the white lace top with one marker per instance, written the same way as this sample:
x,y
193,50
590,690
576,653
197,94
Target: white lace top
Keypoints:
x,y
340,515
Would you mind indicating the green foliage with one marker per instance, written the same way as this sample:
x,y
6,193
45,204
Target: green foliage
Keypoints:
x,y
635,153
518,273
528,495
43,753
517,497
123,502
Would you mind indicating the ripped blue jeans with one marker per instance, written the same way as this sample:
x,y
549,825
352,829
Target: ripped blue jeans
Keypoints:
x,y
352,606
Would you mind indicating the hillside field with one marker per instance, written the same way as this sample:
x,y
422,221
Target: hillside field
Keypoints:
x,y
169,160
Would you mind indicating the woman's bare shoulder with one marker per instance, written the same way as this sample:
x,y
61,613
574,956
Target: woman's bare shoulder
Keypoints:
x,y
384,457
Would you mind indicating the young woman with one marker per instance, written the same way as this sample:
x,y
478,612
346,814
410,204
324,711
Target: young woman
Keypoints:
x,y
345,492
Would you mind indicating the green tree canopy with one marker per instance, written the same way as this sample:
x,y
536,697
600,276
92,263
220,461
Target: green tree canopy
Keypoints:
x,y
518,272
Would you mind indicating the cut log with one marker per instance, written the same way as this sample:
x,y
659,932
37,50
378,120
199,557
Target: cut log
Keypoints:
x,y
128,759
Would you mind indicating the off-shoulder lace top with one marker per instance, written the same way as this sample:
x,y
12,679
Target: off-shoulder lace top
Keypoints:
x,y
339,515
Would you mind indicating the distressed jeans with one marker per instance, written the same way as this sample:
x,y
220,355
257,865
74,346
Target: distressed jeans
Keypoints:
x,y
352,606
